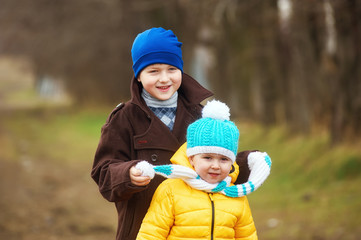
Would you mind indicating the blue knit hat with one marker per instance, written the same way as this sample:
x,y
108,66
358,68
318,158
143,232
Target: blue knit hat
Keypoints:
x,y
214,132
156,45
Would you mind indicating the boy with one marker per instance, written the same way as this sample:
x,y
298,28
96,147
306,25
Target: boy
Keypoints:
x,y
199,201
151,127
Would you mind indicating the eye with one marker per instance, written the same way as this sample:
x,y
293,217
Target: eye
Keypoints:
x,y
153,71
207,157
225,159
172,69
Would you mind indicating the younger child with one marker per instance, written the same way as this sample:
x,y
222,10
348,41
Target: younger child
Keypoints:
x,y
198,201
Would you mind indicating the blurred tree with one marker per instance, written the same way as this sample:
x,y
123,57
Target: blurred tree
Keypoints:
x,y
275,61
346,86
86,43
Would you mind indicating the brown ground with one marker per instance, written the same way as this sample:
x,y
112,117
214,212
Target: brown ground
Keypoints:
x,y
41,198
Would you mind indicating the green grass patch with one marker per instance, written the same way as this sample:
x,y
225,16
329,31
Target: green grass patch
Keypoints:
x,y
350,168
63,136
313,190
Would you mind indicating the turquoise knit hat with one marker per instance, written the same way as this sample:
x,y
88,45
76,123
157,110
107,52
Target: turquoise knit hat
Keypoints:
x,y
214,132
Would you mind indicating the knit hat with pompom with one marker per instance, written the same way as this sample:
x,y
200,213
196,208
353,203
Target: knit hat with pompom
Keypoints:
x,y
214,132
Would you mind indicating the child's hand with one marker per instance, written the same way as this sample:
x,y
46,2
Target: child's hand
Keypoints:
x,y
136,177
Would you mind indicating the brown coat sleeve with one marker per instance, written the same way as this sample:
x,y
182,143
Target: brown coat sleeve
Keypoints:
x,y
112,160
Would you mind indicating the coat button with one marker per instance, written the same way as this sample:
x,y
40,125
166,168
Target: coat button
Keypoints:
x,y
154,157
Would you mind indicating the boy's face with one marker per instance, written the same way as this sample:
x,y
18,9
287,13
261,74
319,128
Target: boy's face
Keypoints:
x,y
161,80
211,167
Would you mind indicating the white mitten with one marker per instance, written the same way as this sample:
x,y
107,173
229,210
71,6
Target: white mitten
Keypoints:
x,y
259,164
146,168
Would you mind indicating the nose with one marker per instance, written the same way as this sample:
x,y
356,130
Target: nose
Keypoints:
x,y
164,77
215,164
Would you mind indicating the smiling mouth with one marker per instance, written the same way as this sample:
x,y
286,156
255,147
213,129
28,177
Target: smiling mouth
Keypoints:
x,y
214,174
164,88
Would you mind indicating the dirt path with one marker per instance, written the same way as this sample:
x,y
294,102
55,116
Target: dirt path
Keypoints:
x,y
41,198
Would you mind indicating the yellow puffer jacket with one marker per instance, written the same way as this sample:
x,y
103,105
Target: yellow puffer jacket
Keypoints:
x,y
179,212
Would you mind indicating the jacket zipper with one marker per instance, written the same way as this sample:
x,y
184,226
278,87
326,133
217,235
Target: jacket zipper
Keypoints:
x,y
212,204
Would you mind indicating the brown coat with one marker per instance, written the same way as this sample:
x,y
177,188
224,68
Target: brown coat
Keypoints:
x,y
131,133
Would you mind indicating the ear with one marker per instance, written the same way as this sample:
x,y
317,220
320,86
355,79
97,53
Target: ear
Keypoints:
x,y
191,160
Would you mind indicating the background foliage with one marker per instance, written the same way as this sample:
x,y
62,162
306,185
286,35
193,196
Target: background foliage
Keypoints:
x,y
299,66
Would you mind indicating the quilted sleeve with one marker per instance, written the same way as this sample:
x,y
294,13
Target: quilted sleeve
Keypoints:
x,y
245,228
160,216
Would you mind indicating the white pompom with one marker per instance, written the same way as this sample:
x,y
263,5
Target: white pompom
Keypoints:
x,y
146,168
216,110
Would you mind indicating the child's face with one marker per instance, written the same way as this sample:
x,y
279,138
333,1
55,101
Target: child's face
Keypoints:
x,y
161,80
211,167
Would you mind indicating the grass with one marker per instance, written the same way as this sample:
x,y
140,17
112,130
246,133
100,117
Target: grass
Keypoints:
x,y
50,134
312,192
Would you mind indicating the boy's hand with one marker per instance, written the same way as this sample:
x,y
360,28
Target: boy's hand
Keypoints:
x,y
136,177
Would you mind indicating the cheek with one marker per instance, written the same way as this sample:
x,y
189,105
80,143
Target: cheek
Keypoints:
x,y
177,79
178,84
201,168
227,168
147,83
